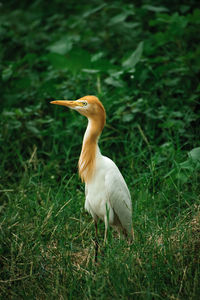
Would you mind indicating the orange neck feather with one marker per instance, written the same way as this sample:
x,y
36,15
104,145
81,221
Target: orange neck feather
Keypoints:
x,y
87,160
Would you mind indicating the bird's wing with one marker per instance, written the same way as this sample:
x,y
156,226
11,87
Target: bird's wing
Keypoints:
x,y
86,190
119,196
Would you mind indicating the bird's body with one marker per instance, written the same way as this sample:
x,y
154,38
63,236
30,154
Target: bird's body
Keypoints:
x,y
107,195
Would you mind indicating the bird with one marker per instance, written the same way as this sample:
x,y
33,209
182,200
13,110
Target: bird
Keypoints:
x,y
107,196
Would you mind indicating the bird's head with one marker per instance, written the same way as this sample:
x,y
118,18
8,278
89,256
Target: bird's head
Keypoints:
x,y
89,106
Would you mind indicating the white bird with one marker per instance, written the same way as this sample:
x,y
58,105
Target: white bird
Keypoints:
x,y
107,195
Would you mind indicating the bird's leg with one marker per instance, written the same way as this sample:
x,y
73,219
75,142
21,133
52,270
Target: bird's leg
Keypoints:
x,y
125,233
106,221
106,229
132,234
96,241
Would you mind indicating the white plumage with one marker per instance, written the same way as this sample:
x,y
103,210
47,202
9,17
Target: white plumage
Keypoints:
x,y
108,197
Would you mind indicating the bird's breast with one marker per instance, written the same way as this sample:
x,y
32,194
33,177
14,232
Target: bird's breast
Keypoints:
x,y
97,200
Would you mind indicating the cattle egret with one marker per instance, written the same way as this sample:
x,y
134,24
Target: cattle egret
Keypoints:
x,y
107,195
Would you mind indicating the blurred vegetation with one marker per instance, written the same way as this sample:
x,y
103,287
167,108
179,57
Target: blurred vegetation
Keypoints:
x,y
143,61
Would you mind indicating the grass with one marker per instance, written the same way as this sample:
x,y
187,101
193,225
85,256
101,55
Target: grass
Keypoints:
x,y
142,61
48,239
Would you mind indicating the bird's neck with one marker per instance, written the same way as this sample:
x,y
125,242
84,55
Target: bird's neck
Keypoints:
x,y
87,160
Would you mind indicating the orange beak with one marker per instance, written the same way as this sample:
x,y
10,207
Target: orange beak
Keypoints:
x,y
67,103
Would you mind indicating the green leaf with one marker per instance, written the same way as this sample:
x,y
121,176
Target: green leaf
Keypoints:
x,y
120,18
89,12
194,154
103,65
187,165
134,58
155,8
75,60
15,124
8,113
31,126
7,73
96,56
91,71
58,61
182,177
114,82
127,118
171,81
62,46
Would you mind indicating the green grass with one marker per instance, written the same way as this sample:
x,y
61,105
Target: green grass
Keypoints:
x,y
48,240
142,61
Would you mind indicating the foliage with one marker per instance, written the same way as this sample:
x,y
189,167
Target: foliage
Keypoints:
x,y
142,60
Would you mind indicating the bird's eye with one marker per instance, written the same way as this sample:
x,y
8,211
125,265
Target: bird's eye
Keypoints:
x,y
84,103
